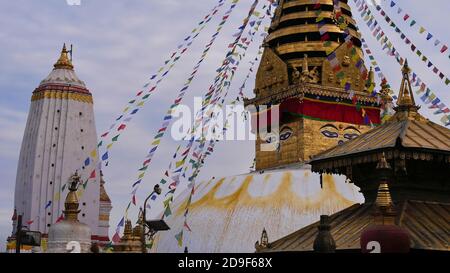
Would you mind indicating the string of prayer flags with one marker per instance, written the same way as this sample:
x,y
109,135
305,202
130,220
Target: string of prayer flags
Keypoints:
x,y
413,48
169,64
206,102
166,120
406,17
429,96
183,90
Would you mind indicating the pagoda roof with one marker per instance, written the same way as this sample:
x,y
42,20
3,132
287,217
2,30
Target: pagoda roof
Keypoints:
x,y
406,129
425,222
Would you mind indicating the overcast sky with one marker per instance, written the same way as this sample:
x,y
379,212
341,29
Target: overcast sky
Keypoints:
x,y
118,45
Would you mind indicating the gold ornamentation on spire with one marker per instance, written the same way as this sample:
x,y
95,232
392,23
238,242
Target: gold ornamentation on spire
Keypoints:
x,y
71,203
384,199
128,230
64,61
384,207
406,100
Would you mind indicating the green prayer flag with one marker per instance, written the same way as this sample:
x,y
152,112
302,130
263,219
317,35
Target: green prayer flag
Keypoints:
x,y
167,211
143,168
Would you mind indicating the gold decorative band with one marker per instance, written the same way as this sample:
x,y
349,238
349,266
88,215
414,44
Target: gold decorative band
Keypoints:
x,y
102,217
313,14
307,28
62,95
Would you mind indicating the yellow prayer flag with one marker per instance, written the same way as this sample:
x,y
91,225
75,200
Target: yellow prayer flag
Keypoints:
x,y
156,142
180,163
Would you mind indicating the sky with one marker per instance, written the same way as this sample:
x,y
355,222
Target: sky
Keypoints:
x,y
118,45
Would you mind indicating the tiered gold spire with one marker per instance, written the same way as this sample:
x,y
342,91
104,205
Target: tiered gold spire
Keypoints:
x,y
71,203
64,62
384,207
406,100
295,31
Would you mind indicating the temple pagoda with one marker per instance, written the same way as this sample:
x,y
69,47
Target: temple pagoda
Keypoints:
x,y
402,169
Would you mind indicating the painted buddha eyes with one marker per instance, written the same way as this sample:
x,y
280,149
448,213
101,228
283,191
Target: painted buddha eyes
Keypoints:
x,y
330,134
347,133
285,134
350,136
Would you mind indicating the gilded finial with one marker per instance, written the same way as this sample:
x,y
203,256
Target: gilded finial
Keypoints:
x,y
405,68
384,205
406,98
384,199
71,203
128,230
264,242
64,62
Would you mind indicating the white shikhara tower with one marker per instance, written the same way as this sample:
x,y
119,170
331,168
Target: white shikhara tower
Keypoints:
x,y
60,134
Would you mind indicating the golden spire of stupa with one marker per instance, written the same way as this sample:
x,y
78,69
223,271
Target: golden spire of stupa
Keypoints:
x,y
71,204
64,62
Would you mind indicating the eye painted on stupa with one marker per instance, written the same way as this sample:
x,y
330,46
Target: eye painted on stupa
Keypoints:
x,y
330,131
351,136
351,133
285,134
330,134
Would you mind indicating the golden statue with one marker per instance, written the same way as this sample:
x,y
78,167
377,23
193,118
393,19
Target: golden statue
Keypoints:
x,y
314,75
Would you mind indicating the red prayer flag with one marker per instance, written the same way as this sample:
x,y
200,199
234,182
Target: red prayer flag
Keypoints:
x,y
92,174
325,37
121,127
444,48
116,238
60,218
105,134
186,226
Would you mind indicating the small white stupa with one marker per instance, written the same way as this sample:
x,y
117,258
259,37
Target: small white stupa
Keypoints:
x,y
70,235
